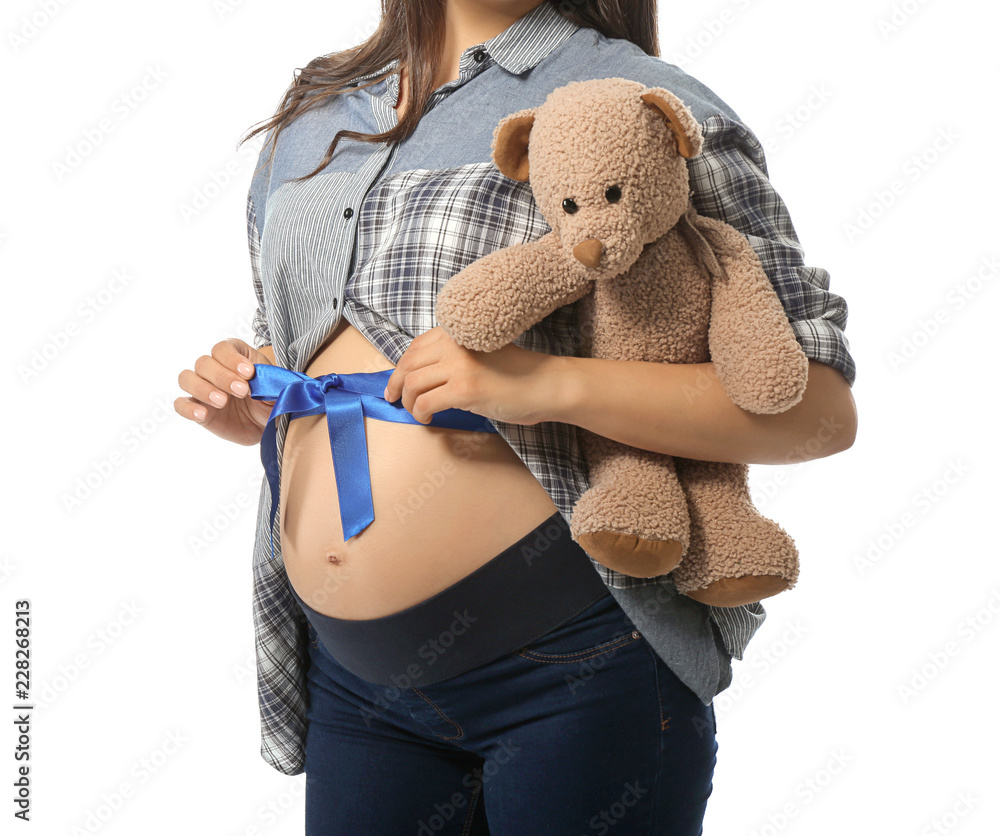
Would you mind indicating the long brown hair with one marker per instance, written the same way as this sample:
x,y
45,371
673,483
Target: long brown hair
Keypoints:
x,y
413,32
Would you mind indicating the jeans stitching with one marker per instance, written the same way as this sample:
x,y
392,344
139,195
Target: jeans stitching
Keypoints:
x,y
664,725
557,658
476,795
444,716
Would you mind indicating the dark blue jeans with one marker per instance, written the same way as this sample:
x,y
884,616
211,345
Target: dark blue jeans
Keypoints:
x,y
584,731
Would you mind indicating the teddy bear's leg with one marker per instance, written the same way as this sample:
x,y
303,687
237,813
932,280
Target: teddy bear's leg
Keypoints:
x,y
736,556
633,518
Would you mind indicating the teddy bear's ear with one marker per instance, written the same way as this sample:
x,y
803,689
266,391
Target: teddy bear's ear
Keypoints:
x,y
510,144
682,121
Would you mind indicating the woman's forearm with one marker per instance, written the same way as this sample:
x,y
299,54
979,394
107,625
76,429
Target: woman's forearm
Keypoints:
x,y
682,410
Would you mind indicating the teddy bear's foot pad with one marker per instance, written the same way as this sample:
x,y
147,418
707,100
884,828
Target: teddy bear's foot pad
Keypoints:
x,y
632,555
734,592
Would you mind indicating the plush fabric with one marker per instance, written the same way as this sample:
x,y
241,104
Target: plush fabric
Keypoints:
x,y
606,160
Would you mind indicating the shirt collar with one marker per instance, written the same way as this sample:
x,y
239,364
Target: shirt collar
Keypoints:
x,y
521,46
527,40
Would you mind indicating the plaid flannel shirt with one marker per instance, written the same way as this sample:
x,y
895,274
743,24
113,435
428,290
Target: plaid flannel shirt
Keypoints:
x,y
378,232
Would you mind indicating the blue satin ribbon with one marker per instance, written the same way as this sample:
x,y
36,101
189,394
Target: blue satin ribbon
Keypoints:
x,y
346,399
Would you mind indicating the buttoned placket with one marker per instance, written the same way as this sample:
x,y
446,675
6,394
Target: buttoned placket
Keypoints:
x,y
474,60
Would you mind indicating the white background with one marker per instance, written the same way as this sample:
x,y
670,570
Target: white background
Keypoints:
x,y
141,637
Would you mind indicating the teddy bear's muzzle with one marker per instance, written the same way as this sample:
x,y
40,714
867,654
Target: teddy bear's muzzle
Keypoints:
x,y
589,252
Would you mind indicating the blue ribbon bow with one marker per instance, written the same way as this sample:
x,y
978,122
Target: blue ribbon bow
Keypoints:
x,y
346,399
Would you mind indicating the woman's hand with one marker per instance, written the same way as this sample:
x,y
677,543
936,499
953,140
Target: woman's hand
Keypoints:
x,y
231,414
510,384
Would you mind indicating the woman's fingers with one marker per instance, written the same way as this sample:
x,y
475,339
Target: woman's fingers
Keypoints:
x,y
215,378
191,409
237,358
219,393
208,382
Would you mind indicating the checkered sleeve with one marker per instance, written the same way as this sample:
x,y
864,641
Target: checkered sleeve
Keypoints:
x,y
262,334
730,182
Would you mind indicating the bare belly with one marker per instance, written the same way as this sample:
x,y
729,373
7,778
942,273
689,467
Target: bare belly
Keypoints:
x,y
446,502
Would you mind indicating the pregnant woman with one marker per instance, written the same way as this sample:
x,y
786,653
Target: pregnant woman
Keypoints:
x,y
456,664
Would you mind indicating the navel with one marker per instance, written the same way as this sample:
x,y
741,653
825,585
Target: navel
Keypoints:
x,y
334,559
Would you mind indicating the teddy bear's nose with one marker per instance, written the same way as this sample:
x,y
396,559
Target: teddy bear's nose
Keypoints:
x,y
589,252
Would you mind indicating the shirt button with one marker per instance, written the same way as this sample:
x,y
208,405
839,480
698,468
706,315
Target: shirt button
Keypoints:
x,y
335,303
478,55
348,212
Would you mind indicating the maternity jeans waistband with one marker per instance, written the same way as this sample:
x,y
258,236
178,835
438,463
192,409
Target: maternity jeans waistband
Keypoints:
x,y
530,588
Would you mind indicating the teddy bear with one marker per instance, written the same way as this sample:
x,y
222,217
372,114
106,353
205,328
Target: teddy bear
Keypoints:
x,y
606,161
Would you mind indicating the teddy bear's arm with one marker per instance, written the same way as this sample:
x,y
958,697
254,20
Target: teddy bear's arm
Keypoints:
x,y
498,297
753,347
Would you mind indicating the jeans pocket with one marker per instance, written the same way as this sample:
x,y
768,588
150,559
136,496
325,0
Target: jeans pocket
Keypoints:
x,y
601,628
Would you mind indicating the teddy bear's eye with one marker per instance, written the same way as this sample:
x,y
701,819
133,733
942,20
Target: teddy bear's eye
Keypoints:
x,y
569,205
613,194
